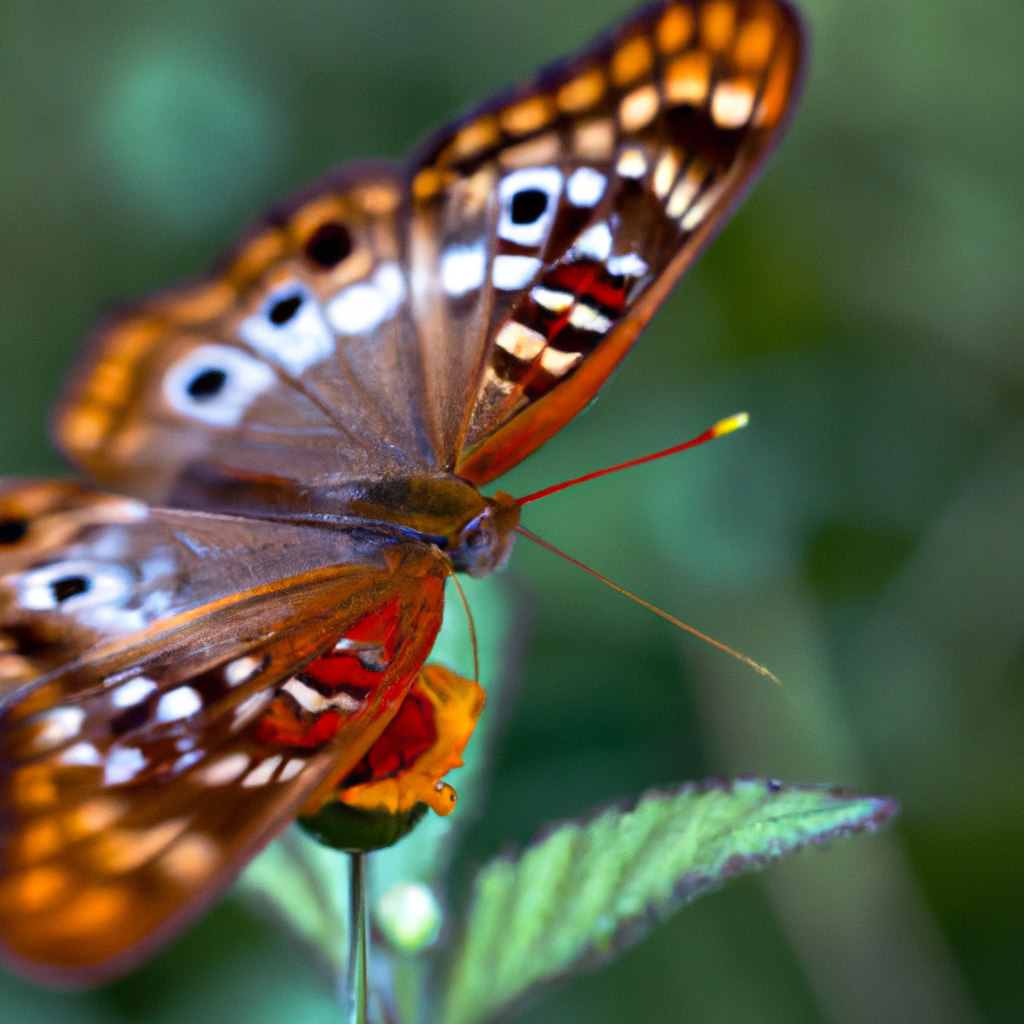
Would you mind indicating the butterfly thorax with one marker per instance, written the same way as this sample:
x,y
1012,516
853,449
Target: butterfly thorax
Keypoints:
x,y
475,532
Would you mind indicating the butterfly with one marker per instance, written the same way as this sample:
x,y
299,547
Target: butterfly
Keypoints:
x,y
283,462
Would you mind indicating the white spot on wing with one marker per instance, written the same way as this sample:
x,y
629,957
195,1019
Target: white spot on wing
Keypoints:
x,y
588,319
79,754
665,173
238,671
595,243
57,727
226,770
186,761
585,187
555,301
123,764
298,343
521,342
305,696
547,180
702,206
559,363
732,104
179,703
262,773
310,700
512,272
291,769
135,691
365,306
104,585
463,268
244,379
629,265
682,195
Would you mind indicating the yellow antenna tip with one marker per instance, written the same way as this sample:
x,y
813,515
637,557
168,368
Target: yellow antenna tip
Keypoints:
x,y
741,419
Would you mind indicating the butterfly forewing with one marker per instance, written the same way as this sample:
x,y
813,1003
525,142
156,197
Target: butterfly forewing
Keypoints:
x,y
552,223
180,733
297,361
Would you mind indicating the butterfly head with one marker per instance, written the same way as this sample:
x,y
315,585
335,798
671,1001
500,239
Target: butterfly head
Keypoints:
x,y
483,545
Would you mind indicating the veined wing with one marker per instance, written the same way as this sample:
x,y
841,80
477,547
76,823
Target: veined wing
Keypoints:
x,y
550,224
175,726
295,362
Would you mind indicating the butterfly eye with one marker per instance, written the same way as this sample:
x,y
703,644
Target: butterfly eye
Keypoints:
x,y
216,384
528,201
12,530
476,539
329,245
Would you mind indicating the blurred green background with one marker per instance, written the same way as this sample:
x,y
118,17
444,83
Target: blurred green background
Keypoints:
x,y
863,537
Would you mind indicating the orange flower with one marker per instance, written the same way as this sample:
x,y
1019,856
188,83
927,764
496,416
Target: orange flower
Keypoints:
x,y
401,775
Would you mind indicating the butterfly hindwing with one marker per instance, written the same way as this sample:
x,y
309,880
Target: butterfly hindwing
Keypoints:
x,y
552,223
165,741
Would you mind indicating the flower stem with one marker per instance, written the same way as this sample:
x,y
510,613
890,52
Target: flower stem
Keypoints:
x,y
358,940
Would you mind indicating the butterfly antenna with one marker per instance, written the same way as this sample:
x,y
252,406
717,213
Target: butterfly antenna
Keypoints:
x,y
472,628
726,426
657,611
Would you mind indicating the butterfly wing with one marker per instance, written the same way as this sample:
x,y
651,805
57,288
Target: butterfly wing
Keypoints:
x,y
384,325
295,361
175,725
549,225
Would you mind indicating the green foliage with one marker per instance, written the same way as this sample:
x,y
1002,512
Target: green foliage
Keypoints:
x,y
576,897
302,884
862,537
571,900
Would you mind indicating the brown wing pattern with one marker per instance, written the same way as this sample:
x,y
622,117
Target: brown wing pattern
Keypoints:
x,y
550,225
383,325
183,726
296,361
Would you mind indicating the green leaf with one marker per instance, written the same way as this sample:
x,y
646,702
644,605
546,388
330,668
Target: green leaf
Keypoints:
x,y
574,898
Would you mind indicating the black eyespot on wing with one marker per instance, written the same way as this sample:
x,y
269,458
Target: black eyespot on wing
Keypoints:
x,y
528,206
12,530
329,244
207,384
284,309
69,586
